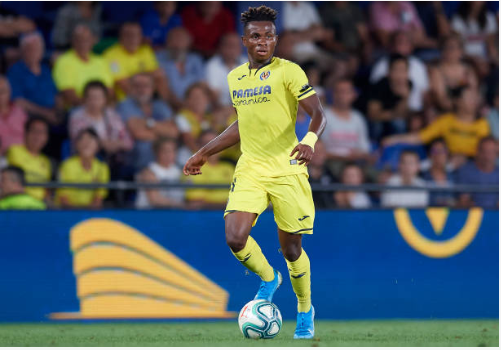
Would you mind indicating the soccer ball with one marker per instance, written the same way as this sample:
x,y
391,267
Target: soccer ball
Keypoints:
x,y
260,319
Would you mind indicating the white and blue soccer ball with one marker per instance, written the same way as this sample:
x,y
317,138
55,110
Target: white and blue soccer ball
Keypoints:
x,y
260,319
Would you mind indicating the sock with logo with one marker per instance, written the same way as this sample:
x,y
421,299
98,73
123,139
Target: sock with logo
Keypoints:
x,y
253,259
299,272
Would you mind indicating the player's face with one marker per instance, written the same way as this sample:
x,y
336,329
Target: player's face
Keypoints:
x,y
260,40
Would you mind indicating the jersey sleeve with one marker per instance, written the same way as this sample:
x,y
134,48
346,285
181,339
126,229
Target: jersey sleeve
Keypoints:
x,y
296,82
434,130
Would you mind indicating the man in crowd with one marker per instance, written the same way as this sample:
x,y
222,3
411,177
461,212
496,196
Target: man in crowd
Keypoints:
x,y
12,194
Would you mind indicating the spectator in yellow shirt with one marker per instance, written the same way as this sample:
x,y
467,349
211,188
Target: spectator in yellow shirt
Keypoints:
x,y
12,194
29,157
129,57
83,168
79,66
213,172
461,130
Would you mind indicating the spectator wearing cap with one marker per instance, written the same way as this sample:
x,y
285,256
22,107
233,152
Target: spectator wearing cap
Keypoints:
x,y
482,171
29,157
33,88
158,21
75,13
408,170
147,119
130,56
388,106
207,21
84,167
401,44
229,57
95,113
12,118
12,194
461,130
183,67
77,67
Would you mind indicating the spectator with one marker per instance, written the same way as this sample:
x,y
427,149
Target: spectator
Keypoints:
x,y
482,171
388,106
478,28
345,137
79,66
450,73
213,172
129,57
83,168
302,22
319,174
29,157
401,44
12,118
388,17
433,17
350,32
438,174
408,170
33,88
183,67
461,130
147,119
352,175
207,21
228,58
71,15
493,116
163,169
12,195
157,22
193,119
94,113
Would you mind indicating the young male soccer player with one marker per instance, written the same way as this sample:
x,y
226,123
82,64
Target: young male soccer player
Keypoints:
x,y
265,93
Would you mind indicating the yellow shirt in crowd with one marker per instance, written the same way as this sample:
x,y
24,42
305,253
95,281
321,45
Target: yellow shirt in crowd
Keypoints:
x,y
37,168
124,64
71,72
219,173
460,137
71,170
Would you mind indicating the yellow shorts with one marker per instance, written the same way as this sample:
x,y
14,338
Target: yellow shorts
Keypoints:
x,y
290,196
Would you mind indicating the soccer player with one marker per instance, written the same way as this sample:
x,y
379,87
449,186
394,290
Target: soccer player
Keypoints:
x,y
266,92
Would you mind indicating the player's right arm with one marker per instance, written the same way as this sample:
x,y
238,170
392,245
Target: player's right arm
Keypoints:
x,y
226,139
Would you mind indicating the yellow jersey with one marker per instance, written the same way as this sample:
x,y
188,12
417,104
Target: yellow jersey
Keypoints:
x,y
124,64
460,137
37,168
72,171
71,72
266,100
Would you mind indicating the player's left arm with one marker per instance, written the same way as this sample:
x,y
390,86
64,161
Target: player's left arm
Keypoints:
x,y
306,146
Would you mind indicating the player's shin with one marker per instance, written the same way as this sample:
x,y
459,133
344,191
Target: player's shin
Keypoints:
x,y
299,272
253,259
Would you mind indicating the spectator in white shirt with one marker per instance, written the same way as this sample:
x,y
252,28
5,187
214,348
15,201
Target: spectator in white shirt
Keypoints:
x,y
218,67
401,44
352,175
408,169
345,137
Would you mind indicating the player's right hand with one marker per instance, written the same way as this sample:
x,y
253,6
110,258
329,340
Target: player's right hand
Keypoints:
x,y
194,164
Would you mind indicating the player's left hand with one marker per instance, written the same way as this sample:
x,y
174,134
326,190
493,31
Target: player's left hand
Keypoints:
x,y
304,153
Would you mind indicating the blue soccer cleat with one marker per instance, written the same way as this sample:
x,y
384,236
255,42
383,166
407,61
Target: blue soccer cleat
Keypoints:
x,y
305,328
267,289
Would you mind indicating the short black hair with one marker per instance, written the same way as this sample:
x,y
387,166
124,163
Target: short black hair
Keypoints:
x,y
407,152
261,13
394,57
95,84
90,131
16,171
33,120
161,141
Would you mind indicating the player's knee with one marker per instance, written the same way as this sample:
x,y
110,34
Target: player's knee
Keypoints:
x,y
291,253
235,242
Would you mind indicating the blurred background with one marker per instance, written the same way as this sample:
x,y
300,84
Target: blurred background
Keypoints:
x,y
119,94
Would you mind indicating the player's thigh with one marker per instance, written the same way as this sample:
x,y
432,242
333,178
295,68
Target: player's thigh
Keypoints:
x,y
293,203
246,195
237,228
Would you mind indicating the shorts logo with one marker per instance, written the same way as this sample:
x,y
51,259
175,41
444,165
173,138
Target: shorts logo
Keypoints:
x,y
438,219
304,217
265,75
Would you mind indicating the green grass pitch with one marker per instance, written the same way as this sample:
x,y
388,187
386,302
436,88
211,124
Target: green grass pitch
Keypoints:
x,y
225,333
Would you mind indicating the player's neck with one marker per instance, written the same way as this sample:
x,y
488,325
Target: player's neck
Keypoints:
x,y
256,65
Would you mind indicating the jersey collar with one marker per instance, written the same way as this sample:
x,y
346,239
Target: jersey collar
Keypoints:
x,y
273,59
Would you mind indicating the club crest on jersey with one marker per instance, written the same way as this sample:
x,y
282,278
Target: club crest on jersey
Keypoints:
x,y
265,75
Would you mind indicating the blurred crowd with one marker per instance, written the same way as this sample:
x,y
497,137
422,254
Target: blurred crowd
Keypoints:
x,y
98,92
